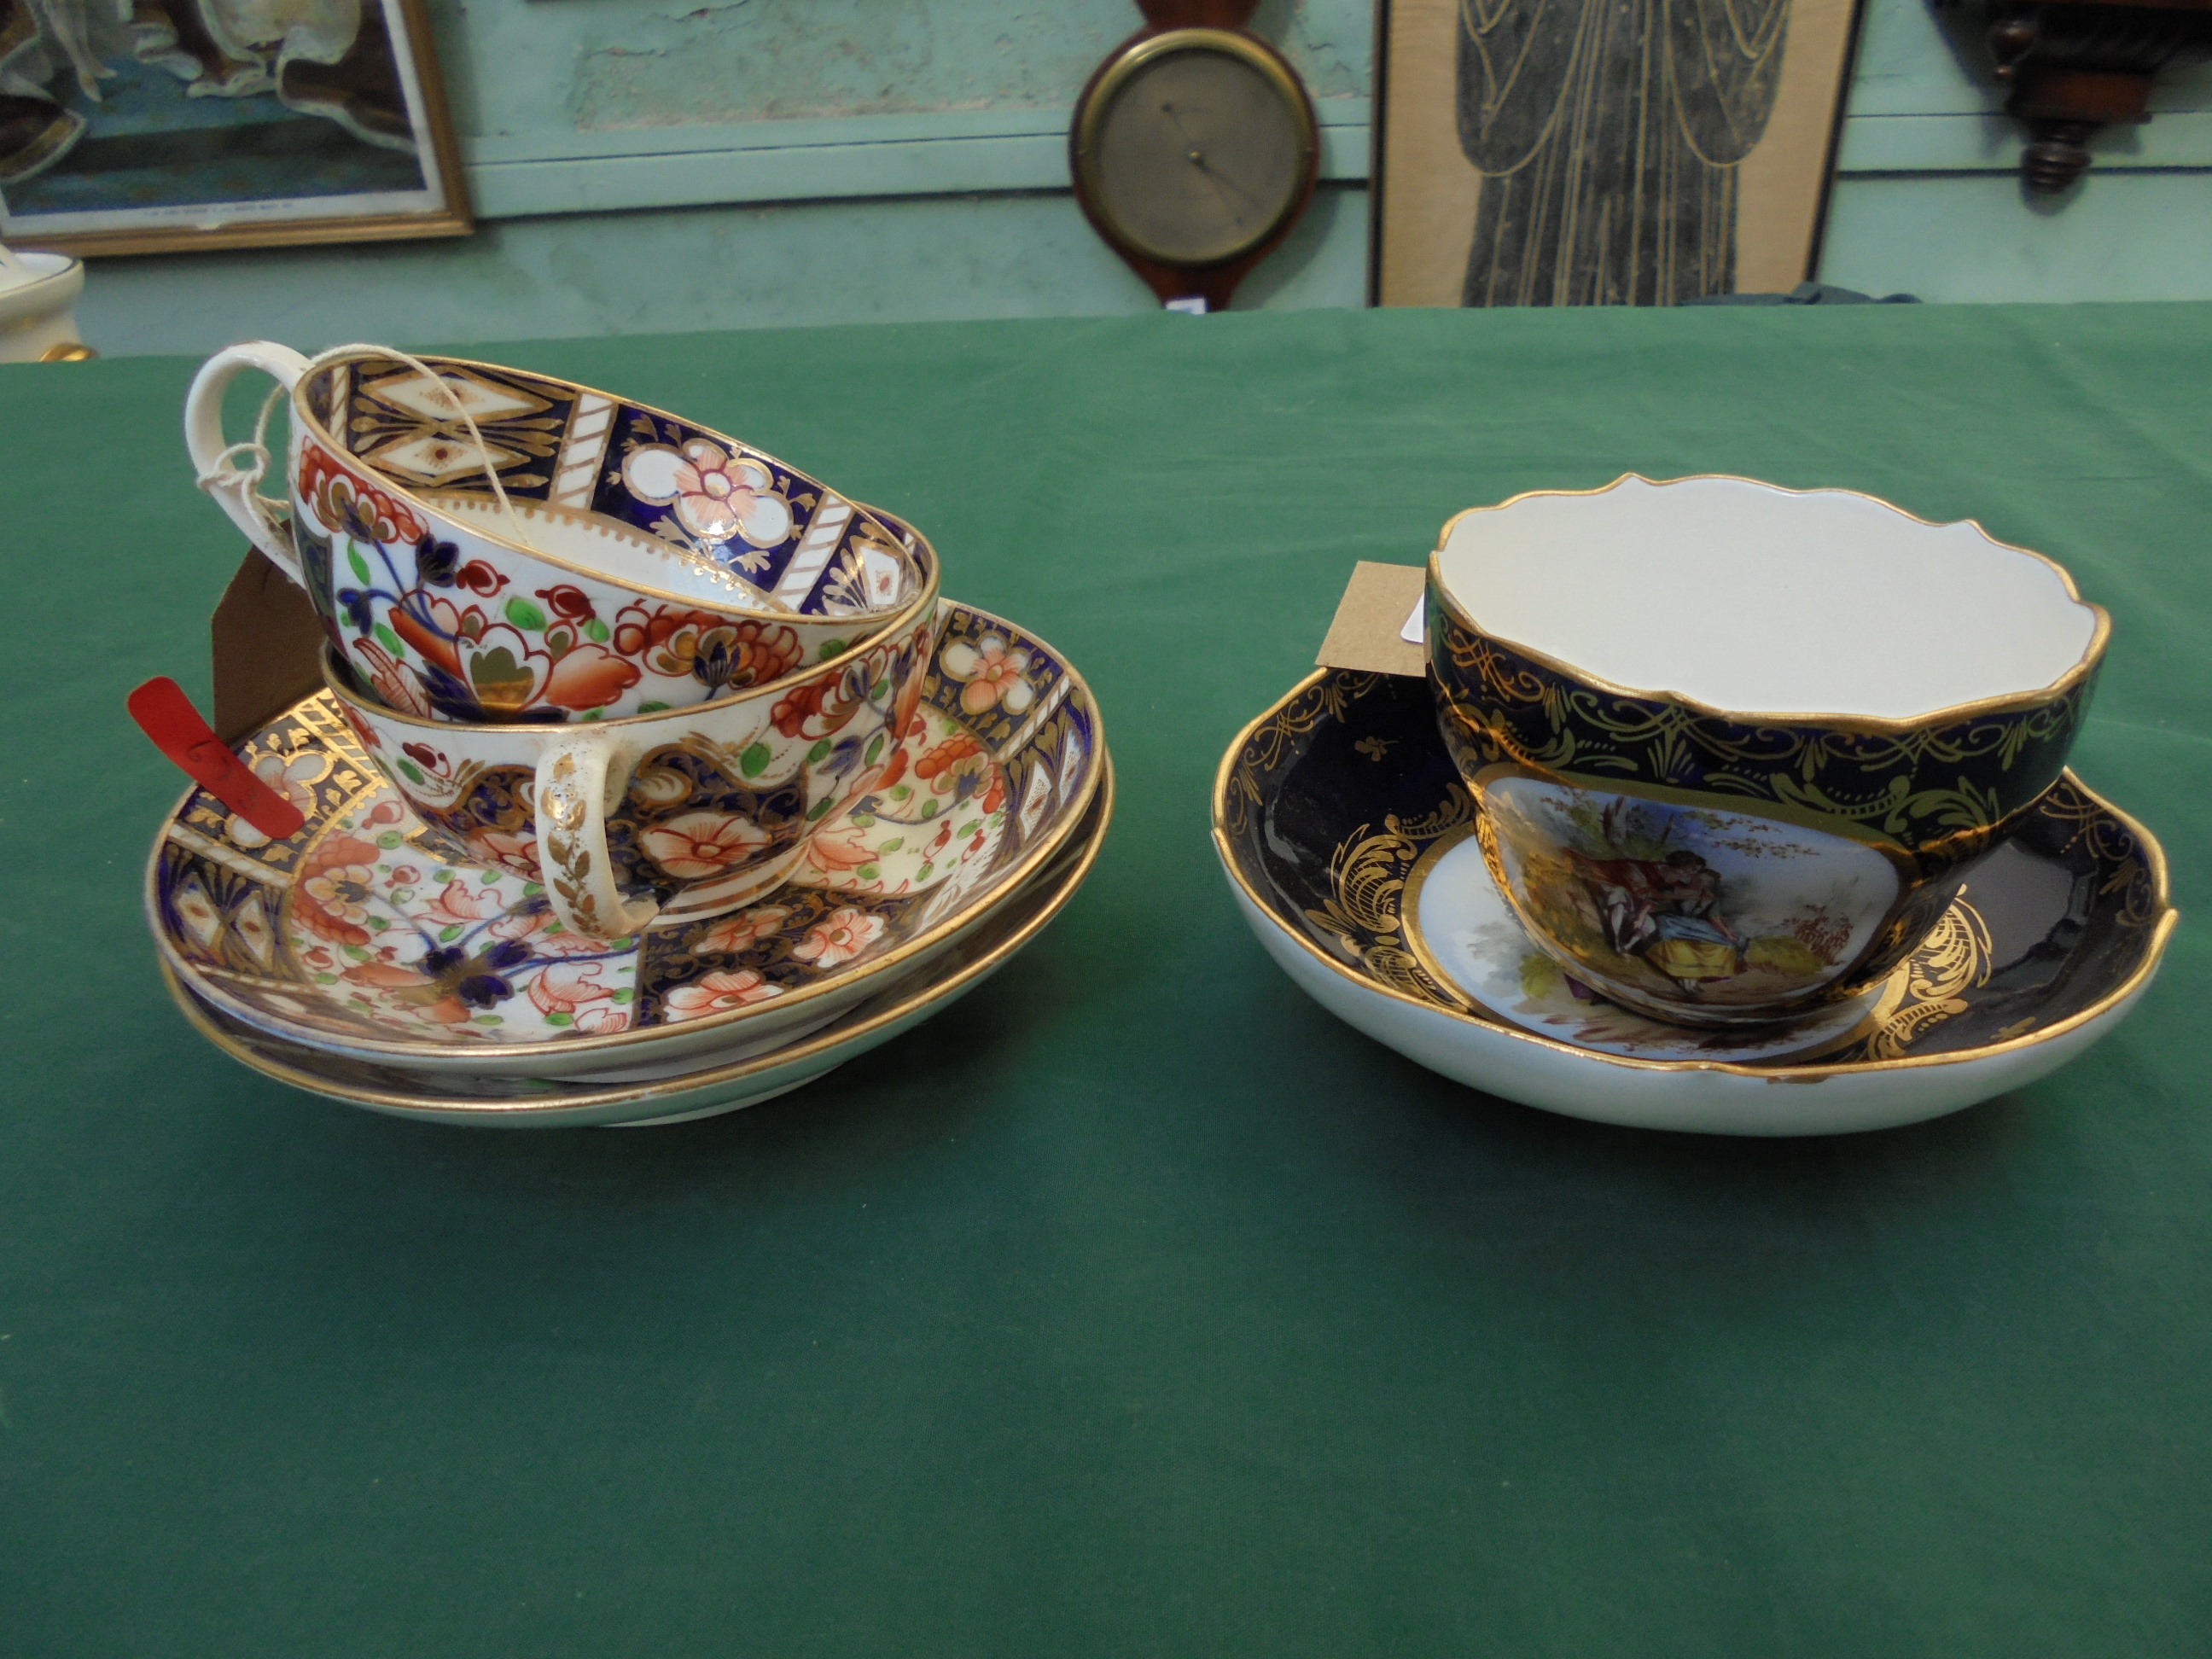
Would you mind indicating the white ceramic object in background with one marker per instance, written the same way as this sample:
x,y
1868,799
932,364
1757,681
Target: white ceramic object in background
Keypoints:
x,y
38,309
1741,745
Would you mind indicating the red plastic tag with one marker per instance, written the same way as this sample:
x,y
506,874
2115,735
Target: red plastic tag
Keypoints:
x,y
165,714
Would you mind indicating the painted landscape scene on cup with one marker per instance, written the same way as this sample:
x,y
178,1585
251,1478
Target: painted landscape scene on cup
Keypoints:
x,y
1682,903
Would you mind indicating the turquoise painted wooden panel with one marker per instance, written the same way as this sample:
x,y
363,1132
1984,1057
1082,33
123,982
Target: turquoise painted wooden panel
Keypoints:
x,y
926,258
1929,200
958,109
526,67
2119,235
936,152
632,104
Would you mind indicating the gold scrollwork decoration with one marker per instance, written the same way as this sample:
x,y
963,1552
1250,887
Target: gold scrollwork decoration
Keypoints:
x,y
1996,763
1326,699
1951,961
1367,881
2110,844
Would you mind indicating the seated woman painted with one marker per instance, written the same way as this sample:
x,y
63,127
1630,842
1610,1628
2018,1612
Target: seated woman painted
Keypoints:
x,y
1665,910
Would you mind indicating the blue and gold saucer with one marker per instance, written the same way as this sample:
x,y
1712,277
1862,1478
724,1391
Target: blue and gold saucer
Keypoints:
x,y
1354,853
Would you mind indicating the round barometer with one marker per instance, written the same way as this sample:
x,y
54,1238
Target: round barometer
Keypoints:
x,y
1194,150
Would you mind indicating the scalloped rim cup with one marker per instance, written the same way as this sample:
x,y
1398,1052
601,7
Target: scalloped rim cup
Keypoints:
x,y
1763,604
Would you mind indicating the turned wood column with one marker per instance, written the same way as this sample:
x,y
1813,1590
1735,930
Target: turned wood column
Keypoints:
x,y
2078,65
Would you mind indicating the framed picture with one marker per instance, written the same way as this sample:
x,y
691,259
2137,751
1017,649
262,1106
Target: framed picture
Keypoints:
x,y
1603,152
150,126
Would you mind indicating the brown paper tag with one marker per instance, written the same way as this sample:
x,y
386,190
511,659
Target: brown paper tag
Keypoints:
x,y
268,646
1368,634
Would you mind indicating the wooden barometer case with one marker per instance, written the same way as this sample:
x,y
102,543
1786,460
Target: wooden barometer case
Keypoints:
x,y
1194,150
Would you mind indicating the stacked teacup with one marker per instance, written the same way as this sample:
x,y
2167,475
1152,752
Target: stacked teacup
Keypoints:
x,y
630,667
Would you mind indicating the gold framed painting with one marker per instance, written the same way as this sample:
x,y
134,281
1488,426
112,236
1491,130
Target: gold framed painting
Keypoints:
x,y
1603,152
154,126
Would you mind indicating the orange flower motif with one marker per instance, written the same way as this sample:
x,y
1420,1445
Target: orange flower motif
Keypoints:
x,y
458,903
839,937
719,496
823,706
586,677
344,501
945,756
503,849
719,992
735,934
336,886
840,846
944,767
698,844
564,987
719,651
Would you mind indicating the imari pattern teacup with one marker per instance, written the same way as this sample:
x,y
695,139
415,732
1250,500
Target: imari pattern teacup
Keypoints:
x,y
688,813
1738,747
486,544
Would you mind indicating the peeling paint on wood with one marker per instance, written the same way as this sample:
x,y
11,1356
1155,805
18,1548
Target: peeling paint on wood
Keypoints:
x,y
675,65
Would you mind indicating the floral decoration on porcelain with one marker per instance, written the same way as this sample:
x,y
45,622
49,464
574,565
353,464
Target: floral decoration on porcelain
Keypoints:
x,y
718,992
718,497
990,671
357,928
433,633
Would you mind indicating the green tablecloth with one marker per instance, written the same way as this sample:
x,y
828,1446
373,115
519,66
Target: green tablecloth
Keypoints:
x,y
1135,1306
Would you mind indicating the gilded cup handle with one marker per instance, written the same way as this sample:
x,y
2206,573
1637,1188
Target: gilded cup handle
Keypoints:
x,y
579,783
231,473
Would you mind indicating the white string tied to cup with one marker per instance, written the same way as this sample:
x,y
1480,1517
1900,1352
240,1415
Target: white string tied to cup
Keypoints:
x,y
226,474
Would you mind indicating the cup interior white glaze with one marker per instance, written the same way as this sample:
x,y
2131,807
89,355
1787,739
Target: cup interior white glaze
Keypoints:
x,y
1746,597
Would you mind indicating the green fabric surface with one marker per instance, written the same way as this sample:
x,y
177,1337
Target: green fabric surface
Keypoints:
x,y
1134,1306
